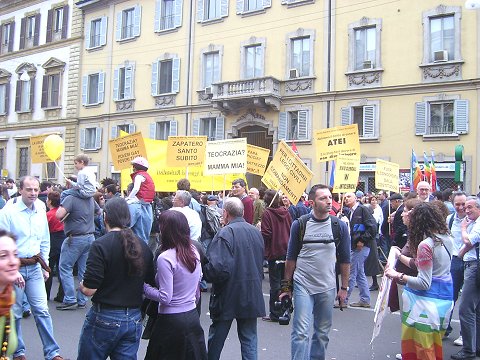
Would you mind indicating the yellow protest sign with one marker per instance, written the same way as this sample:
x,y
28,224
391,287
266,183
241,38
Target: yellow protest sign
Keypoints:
x,y
37,150
125,149
347,169
186,150
340,140
257,158
226,157
387,175
287,173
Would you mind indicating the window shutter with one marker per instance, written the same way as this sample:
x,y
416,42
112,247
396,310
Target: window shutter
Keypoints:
x,y
65,22
98,138
49,26
345,114
267,3
45,92
460,110
116,74
12,33
137,18
84,90
223,8
153,131
303,125
240,6
7,98
155,67
178,13
36,34
158,5
175,75
196,127
18,95
219,128
1,37
173,128
82,138
129,82
23,27
32,93
369,121
282,125
87,35
101,87
420,118
114,132
200,14
103,31
118,26
131,128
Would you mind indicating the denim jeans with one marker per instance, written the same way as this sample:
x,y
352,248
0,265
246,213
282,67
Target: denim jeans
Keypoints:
x,y
247,334
109,332
141,218
456,269
357,274
74,250
37,297
469,310
321,306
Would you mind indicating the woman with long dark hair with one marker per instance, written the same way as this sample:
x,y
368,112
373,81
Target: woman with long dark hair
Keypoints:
x,y
427,297
177,333
118,265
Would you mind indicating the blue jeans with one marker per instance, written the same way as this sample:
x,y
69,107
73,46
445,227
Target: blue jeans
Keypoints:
x,y
74,250
321,306
469,310
141,218
357,274
247,334
37,297
456,269
109,332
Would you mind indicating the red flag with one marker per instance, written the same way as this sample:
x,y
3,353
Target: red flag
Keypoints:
x,y
294,148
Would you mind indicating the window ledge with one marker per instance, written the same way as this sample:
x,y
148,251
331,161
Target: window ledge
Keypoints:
x,y
369,140
166,31
364,71
252,12
301,142
127,40
52,108
435,137
90,150
24,112
211,21
95,48
92,105
296,3
442,63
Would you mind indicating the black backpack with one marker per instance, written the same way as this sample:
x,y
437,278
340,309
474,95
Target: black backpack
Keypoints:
x,y
302,221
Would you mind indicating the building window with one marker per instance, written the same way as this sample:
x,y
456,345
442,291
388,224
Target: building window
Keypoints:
x,y
168,14
249,6
163,129
365,44
57,23
294,125
166,76
23,161
212,127
211,69
4,95
300,53
93,89
51,90
123,83
365,116
6,36
51,171
96,35
447,117
24,96
128,23
29,31
208,10
91,138
253,61
58,15
117,129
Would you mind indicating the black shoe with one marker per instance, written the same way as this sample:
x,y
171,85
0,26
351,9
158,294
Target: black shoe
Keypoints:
x,y
26,314
58,299
67,306
373,288
462,355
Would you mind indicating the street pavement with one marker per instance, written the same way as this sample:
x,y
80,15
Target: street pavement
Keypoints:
x,y
349,339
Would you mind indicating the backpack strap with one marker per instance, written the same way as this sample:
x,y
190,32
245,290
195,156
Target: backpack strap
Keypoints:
x,y
334,221
450,222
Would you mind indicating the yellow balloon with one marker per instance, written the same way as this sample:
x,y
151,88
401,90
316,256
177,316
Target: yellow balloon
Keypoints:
x,y
53,146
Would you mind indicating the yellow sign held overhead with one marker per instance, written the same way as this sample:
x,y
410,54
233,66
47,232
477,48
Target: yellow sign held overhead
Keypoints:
x,y
257,158
347,169
337,141
37,150
226,157
186,150
287,173
125,149
387,175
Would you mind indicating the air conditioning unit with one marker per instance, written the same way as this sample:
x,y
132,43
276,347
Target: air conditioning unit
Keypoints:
x,y
208,90
440,56
293,73
367,64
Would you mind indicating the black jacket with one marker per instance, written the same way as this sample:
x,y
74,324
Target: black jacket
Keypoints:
x,y
363,226
235,268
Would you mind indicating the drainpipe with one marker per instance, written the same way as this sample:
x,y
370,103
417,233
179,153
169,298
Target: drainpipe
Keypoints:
x,y
191,30
329,65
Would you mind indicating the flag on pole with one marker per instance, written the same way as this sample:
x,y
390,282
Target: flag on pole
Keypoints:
x,y
332,174
426,168
415,172
294,148
433,178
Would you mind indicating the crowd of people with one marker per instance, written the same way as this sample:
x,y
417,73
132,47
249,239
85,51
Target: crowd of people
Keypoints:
x,y
143,253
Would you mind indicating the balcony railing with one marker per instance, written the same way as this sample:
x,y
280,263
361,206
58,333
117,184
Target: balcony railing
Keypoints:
x,y
440,129
268,86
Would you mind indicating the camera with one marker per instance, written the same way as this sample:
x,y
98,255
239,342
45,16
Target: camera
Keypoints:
x,y
285,306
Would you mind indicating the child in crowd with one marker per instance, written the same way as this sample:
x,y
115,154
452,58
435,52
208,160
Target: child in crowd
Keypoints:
x,y
85,186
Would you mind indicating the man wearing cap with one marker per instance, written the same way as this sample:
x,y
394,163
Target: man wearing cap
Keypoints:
x,y
140,199
212,201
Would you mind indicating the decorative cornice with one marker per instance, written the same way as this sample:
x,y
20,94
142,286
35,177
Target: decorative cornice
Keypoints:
x,y
365,78
165,100
125,105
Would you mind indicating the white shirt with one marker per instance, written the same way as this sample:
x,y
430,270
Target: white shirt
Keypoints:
x,y
473,230
193,219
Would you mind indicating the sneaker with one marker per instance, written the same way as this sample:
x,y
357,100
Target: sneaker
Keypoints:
x,y
360,304
373,288
462,355
66,306
81,306
398,356
459,341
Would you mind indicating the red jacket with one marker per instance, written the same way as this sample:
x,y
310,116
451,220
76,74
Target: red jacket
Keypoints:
x,y
147,188
248,209
276,223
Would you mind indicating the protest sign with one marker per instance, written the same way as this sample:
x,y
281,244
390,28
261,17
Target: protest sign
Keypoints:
x,y
186,150
347,169
125,149
387,175
226,157
287,173
37,150
257,158
340,140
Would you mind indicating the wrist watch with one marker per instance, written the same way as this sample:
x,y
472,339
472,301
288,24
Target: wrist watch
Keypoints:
x,y
344,288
